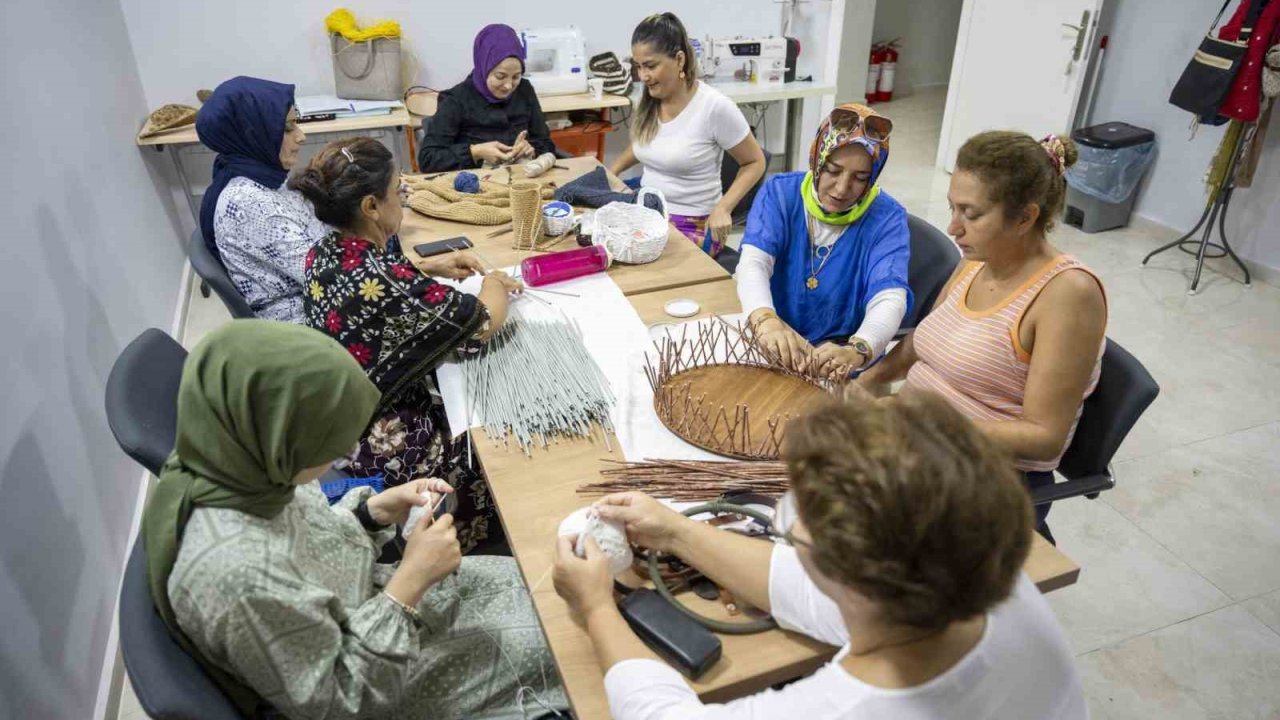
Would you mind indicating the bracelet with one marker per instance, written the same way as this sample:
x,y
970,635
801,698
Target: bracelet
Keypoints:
x,y
412,612
366,520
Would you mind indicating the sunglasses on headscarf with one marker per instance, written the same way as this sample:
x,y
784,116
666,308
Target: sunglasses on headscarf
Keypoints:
x,y
874,127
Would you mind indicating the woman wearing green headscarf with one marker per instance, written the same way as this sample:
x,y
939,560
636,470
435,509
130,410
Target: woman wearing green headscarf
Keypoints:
x,y
823,274
278,595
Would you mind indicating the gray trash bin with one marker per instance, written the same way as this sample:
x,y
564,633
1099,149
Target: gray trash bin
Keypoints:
x,y
1102,185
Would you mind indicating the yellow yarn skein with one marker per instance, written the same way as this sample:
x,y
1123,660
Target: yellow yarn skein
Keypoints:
x,y
341,21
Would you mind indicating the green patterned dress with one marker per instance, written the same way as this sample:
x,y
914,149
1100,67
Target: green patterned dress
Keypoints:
x,y
292,606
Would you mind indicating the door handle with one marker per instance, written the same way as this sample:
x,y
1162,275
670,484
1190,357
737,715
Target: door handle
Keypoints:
x,y
1081,31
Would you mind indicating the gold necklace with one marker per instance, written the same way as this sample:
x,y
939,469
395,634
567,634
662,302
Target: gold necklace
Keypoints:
x,y
815,253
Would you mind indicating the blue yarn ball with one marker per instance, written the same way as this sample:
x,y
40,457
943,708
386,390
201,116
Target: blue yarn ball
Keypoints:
x,y
466,182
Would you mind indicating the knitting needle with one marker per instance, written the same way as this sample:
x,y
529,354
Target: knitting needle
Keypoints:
x,y
553,292
497,233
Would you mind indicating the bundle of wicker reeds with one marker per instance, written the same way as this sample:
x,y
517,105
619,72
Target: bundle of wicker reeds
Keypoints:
x,y
691,480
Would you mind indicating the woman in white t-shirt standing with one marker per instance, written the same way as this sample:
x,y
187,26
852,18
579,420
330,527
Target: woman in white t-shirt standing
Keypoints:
x,y
681,130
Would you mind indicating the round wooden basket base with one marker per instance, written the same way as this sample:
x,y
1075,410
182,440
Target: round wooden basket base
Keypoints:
x,y
766,394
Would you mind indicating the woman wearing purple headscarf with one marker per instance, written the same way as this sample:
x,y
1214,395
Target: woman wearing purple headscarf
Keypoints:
x,y
492,116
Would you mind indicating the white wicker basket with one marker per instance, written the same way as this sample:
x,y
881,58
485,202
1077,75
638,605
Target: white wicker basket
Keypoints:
x,y
631,232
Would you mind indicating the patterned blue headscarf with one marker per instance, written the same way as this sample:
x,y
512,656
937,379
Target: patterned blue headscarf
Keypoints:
x,y
243,121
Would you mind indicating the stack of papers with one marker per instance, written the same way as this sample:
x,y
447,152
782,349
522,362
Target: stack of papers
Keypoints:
x,y
311,105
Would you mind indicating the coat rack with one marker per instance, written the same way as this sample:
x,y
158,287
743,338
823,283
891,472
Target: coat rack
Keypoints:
x,y
1215,211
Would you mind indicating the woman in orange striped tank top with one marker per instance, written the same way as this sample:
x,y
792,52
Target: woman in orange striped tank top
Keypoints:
x,y
1015,340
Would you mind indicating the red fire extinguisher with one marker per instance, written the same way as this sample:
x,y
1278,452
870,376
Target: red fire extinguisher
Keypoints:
x,y
873,73
888,68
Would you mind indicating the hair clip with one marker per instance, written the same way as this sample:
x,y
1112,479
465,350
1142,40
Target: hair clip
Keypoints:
x,y
347,154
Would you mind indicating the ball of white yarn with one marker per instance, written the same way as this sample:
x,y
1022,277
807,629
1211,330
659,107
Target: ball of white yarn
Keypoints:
x,y
610,536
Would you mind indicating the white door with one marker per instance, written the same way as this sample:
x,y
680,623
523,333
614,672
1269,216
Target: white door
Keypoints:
x,y
1019,65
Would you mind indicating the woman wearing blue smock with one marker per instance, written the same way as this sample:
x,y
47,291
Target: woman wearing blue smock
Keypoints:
x,y
823,275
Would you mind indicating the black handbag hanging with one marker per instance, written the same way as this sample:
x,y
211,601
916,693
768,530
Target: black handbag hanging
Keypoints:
x,y
1208,77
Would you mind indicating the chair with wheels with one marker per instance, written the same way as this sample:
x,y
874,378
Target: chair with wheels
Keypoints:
x,y
142,397
933,258
729,257
1125,390
214,274
142,411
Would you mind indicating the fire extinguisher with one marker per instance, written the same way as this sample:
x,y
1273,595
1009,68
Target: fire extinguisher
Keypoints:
x,y
888,68
873,73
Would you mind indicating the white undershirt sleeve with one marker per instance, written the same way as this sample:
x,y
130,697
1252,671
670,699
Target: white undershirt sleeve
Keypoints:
x,y
881,320
755,270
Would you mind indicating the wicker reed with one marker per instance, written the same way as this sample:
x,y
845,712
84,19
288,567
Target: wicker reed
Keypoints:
x,y
720,391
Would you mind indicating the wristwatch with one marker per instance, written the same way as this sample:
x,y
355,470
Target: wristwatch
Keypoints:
x,y
864,348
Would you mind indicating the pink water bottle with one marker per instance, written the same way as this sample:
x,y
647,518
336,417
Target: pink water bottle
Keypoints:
x,y
557,266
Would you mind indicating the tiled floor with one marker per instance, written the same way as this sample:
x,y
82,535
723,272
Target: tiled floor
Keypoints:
x,y
1177,612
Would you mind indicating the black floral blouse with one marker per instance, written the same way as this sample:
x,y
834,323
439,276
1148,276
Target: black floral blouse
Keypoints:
x,y
396,322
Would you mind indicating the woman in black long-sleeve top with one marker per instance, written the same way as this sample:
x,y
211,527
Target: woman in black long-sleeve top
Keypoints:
x,y
493,115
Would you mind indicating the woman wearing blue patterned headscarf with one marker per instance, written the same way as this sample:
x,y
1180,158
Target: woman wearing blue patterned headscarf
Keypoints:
x,y
260,229
823,275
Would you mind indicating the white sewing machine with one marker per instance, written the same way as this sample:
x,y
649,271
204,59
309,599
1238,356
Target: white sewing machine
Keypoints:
x,y
742,59
556,61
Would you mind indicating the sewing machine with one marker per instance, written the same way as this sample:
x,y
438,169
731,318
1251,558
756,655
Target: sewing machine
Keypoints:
x,y
742,59
556,61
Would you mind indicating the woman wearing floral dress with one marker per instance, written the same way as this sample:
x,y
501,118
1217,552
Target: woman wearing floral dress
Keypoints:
x,y
397,322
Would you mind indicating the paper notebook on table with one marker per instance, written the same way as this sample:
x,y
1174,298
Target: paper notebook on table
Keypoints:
x,y
331,104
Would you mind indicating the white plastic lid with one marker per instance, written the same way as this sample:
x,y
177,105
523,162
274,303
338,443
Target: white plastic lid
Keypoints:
x,y
682,307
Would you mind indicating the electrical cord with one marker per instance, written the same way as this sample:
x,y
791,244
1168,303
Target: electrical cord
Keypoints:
x,y
729,628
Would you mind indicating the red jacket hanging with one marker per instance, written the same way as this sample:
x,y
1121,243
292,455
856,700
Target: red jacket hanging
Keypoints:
x,y
1244,100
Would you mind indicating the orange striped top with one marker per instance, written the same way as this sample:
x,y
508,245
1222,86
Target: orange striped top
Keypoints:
x,y
975,359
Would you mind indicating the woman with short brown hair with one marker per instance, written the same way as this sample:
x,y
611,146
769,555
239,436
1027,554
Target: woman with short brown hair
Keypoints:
x,y
908,530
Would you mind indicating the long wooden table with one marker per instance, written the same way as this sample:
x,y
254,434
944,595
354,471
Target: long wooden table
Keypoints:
x,y
534,494
398,119
682,263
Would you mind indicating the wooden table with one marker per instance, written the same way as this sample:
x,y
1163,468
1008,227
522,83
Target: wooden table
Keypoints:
x,y
534,494
682,263
397,119
562,103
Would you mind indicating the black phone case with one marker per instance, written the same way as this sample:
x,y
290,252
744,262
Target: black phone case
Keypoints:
x,y
679,639
439,247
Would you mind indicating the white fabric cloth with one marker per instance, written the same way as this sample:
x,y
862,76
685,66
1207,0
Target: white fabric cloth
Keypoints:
x,y
1021,668
683,159
263,236
880,320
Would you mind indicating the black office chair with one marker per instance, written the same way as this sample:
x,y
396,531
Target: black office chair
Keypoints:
x,y
142,412
142,397
933,258
214,274
729,171
1125,390
168,682
728,257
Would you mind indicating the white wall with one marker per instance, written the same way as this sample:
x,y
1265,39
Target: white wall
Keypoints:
x,y
1151,42
182,47
927,29
92,257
